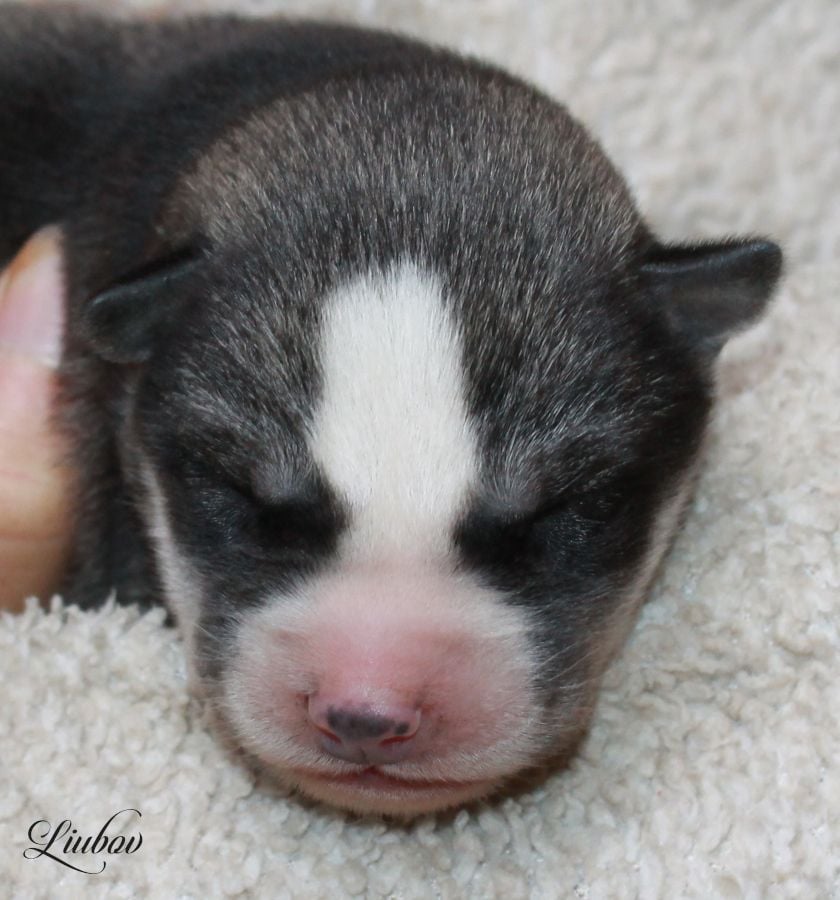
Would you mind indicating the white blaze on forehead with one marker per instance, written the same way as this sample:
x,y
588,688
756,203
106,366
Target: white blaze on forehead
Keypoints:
x,y
391,432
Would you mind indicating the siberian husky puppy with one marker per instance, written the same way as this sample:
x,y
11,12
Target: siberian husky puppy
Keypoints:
x,y
375,375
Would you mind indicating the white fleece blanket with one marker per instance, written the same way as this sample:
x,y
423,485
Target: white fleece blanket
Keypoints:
x,y
713,766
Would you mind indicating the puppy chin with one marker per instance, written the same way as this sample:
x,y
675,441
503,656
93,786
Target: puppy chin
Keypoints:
x,y
371,792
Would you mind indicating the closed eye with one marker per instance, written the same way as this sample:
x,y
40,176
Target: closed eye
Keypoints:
x,y
577,511
292,524
302,518
594,505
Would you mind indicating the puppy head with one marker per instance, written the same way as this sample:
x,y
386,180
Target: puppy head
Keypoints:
x,y
414,427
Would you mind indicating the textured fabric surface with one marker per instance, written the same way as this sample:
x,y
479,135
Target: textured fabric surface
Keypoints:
x,y
712,766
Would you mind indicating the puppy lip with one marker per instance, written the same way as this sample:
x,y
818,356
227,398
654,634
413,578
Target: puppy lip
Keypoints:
x,y
374,778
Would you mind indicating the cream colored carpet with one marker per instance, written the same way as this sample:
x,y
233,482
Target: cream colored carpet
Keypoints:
x,y
713,768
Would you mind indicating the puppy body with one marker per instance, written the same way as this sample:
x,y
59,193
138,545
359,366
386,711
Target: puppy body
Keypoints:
x,y
378,380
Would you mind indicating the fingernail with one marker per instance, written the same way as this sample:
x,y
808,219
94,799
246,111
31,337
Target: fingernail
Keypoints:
x,y
32,299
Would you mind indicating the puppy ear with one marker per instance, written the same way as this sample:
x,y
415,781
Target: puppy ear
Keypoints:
x,y
123,321
710,291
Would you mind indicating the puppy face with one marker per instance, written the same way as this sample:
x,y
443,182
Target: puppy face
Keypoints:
x,y
389,549
416,430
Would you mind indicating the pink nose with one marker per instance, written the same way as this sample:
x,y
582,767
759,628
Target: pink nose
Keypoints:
x,y
379,734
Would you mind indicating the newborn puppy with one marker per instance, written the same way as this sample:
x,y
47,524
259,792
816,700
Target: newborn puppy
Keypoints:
x,y
376,378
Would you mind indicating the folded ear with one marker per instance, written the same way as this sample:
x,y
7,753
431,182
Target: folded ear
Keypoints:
x,y
123,322
710,291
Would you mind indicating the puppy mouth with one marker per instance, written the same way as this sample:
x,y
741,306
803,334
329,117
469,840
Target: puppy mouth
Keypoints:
x,y
374,779
372,791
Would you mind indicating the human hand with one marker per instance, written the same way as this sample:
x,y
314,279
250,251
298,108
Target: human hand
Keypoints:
x,y
35,480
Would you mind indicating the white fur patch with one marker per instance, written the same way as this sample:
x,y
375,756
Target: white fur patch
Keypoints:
x,y
391,433
662,534
180,582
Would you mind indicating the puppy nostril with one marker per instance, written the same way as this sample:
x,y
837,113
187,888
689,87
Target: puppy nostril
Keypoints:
x,y
327,733
397,739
